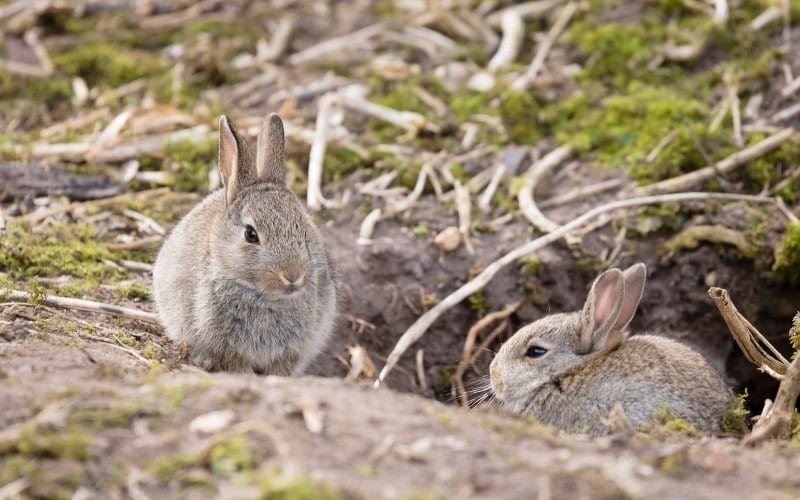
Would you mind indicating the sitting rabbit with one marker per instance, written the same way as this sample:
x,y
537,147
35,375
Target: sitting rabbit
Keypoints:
x,y
568,370
244,280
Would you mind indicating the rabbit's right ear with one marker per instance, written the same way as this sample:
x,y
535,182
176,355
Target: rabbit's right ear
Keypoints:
x,y
271,151
601,310
235,160
633,279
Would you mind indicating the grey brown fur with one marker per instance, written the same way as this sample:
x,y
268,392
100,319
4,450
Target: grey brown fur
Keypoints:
x,y
590,364
266,307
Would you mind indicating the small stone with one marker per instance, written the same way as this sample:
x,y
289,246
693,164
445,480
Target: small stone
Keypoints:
x,y
448,240
481,82
211,422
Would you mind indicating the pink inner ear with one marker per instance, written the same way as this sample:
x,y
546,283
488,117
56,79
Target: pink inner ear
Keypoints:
x,y
605,304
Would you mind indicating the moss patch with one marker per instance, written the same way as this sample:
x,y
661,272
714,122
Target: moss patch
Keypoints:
x,y
787,257
734,422
295,488
73,443
106,63
55,250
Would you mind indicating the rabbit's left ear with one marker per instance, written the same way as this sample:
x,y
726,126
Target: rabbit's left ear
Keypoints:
x,y
601,310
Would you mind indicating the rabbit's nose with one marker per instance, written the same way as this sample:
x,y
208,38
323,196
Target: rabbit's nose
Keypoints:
x,y
292,277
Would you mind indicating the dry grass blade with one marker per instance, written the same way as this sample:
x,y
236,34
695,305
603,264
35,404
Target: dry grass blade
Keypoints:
x,y
469,345
421,325
537,63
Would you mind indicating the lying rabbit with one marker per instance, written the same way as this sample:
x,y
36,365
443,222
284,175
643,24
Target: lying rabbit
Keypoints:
x,y
244,280
569,369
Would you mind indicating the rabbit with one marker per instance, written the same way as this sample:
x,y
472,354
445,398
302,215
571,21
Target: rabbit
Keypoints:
x,y
568,370
244,281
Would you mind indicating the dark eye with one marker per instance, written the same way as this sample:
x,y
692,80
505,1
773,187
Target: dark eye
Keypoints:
x,y
250,234
535,351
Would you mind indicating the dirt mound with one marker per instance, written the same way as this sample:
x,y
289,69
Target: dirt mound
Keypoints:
x,y
108,428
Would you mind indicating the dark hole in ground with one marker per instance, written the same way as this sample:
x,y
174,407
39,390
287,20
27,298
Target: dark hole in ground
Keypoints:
x,y
386,283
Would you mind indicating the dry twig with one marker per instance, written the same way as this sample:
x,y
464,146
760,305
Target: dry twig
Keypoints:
x,y
775,421
314,198
687,181
560,23
81,305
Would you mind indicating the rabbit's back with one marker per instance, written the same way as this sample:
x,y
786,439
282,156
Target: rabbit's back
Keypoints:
x,y
184,258
646,373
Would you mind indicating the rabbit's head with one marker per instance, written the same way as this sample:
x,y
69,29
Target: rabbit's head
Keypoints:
x,y
542,353
263,240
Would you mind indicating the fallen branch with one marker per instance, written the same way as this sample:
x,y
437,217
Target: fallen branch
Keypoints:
x,y
316,157
513,31
775,421
80,305
744,333
409,121
778,420
421,325
583,192
342,43
532,178
687,181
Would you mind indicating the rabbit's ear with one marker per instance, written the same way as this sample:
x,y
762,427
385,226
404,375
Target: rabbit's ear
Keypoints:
x,y
271,151
235,160
633,279
601,310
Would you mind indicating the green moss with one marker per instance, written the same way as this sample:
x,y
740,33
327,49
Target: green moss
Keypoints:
x,y
794,332
664,418
73,443
734,423
366,470
190,162
674,464
787,257
52,91
167,467
339,162
149,352
123,338
615,53
55,250
133,291
518,111
530,266
295,488
15,467
447,378
114,415
231,456
112,65
626,127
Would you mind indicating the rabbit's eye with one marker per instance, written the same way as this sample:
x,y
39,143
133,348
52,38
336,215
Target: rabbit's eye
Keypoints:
x,y
535,351
250,234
